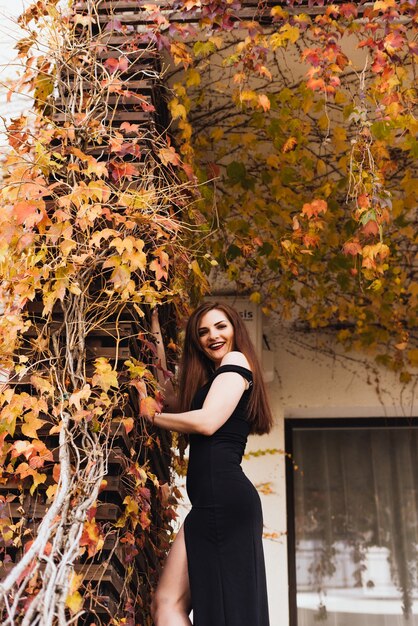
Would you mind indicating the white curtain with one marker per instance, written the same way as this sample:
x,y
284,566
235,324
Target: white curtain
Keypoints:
x,y
356,525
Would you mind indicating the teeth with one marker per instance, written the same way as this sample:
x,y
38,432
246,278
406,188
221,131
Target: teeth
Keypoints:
x,y
216,345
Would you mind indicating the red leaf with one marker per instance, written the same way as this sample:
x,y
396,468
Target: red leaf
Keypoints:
x,y
348,10
352,247
147,107
123,170
370,229
114,65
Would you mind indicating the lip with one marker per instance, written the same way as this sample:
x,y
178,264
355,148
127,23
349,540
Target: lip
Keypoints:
x,y
216,346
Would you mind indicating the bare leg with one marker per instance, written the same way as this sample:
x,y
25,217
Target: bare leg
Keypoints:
x,y
172,603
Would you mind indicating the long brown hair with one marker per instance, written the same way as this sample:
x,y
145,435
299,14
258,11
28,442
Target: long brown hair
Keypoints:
x,y
196,367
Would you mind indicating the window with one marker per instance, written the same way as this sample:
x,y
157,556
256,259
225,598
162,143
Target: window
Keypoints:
x,y
353,522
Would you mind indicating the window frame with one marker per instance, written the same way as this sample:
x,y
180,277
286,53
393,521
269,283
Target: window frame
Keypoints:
x,y
292,424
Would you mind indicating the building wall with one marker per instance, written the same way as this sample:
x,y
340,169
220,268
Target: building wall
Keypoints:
x,y
311,382
9,65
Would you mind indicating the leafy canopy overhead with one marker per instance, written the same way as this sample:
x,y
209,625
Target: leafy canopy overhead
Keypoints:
x,y
303,120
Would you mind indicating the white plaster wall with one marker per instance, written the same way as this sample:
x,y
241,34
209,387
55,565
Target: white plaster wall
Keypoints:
x,y
10,66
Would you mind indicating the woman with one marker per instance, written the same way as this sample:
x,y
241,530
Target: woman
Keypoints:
x,y
216,563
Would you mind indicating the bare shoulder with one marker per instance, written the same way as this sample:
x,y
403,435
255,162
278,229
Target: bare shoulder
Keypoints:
x,y
236,358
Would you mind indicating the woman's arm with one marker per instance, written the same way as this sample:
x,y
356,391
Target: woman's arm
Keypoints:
x,y
224,394
167,389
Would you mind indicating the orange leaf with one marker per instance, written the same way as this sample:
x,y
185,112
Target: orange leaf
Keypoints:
x,y
314,208
169,155
290,144
91,537
370,229
144,520
128,422
29,213
148,407
363,201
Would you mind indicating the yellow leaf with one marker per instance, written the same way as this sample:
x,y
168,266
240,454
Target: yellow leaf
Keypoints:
x,y
105,377
217,134
131,506
137,260
413,356
51,491
38,479
31,426
196,269
42,385
255,297
247,95
321,167
177,110
278,12
286,33
192,78
273,160
340,97
74,601
383,5
75,289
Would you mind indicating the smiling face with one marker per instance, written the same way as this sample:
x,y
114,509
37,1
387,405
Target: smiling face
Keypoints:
x,y
216,335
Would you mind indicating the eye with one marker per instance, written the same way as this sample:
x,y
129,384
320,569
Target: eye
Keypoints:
x,y
221,326
202,332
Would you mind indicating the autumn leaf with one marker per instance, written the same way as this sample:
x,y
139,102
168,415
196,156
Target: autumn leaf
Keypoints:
x,y
129,128
105,376
289,144
74,599
121,169
263,102
128,423
352,247
169,155
148,407
144,520
160,264
29,213
116,65
92,537
77,396
180,53
42,385
314,208
177,109
384,5
31,425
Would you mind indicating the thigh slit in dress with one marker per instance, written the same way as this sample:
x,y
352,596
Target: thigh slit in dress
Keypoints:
x,y
223,530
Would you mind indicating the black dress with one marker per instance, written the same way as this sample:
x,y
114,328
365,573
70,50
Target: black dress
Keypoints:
x,y
223,530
